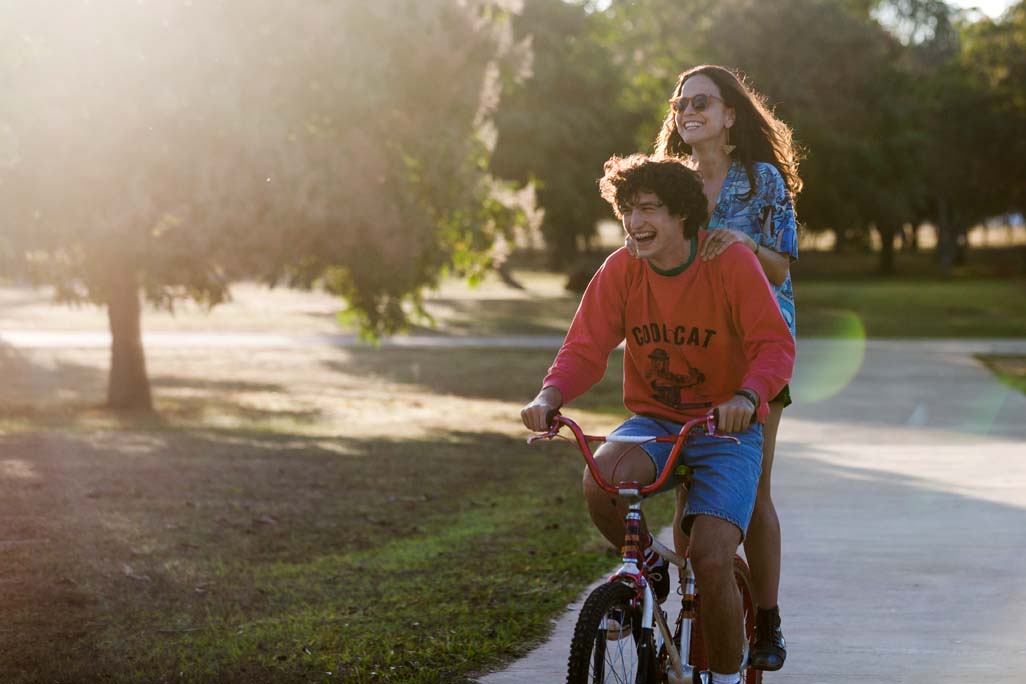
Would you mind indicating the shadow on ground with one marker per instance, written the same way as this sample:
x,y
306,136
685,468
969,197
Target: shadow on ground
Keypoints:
x,y
115,540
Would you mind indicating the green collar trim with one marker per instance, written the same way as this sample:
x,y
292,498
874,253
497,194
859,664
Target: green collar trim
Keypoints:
x,y
683,267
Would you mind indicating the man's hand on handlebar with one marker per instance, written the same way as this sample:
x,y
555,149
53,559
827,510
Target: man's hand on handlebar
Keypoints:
x,y
537,414
735,415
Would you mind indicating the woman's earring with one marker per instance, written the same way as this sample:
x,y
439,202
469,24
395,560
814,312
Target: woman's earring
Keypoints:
x,y
728,148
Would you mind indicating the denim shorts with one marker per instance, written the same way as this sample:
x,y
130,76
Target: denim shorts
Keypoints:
x,y
724,473
783,397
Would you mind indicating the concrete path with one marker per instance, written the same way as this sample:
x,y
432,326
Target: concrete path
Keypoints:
x,y
901,486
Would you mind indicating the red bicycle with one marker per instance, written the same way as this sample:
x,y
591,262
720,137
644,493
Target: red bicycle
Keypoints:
x,y
622,633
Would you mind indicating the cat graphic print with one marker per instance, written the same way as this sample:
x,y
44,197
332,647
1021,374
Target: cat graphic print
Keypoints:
x,y
667,385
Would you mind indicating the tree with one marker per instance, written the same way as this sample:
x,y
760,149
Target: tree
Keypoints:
x,y
563,122
994,56
161,150
860,153
972,164
117,178
653,41
841,89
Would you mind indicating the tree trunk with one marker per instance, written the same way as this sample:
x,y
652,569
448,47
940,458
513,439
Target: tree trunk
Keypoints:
x,y
507,276
128,385
945,239
887,232
961,244
910,238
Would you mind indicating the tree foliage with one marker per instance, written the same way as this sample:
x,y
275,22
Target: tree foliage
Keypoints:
x,y
166,148
907,109
557,128
383,149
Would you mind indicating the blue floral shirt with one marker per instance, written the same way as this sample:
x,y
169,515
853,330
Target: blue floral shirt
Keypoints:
x,y
767,216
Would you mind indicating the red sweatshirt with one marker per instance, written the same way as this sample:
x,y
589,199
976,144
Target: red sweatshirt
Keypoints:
x,y
693,338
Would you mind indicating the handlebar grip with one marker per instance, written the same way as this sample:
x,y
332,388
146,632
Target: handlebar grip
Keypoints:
x,y
550,417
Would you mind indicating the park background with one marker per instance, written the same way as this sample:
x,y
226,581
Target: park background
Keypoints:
x,y
204,479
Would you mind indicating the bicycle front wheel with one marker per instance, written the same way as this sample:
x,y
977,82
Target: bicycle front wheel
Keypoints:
x,y
609,646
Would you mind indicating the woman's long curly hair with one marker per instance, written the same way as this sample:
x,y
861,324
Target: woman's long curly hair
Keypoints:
x,y
757,134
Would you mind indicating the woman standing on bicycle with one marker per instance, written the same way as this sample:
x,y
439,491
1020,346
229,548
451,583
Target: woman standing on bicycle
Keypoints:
x,y
749,168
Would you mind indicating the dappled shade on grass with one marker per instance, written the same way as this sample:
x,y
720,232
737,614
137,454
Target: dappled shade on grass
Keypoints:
x,y
288,515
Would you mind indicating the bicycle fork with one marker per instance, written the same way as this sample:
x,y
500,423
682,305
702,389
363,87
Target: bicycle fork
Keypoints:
x,y
678,670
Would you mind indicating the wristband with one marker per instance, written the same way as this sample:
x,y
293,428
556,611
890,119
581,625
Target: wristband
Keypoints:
x,y
750,395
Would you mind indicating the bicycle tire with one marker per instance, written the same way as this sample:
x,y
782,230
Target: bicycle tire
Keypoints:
x,y
592,660
697,656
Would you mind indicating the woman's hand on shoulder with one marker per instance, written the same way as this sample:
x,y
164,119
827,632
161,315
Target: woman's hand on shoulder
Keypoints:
x,y
717,241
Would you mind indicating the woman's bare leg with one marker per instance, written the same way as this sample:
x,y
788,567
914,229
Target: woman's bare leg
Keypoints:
x,y
762,543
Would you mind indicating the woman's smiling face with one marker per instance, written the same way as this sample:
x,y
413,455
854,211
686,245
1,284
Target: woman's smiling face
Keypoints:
x,y
698,124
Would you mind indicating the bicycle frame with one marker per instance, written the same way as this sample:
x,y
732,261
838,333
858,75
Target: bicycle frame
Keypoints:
x,y
680,671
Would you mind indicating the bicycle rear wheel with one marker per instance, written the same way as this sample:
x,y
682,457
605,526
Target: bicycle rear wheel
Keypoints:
x,y
697,657
609,646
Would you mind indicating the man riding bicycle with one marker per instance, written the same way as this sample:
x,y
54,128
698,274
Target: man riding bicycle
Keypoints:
x,y
700,336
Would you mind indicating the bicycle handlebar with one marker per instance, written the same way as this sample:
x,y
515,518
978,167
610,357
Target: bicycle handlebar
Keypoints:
x,y
557,421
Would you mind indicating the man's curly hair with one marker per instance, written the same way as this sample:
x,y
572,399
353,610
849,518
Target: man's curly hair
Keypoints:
x,y
676,186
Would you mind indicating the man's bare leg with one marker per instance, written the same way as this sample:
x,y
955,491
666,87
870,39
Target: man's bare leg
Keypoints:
x,y
762,543
713,544
617,463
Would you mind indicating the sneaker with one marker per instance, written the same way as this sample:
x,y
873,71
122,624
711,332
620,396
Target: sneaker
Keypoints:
x,y
659,578
770,649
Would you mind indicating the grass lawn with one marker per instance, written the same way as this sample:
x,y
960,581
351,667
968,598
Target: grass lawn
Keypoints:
x,y
912,308
327,515
1010,370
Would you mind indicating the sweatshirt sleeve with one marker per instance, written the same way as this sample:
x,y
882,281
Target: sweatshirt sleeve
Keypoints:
x,y
767,341
597,329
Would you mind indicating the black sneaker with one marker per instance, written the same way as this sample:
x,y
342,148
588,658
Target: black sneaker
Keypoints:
x,y
659,578
770,649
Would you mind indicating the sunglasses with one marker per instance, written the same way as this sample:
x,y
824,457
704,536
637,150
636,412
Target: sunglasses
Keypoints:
x,y
700,102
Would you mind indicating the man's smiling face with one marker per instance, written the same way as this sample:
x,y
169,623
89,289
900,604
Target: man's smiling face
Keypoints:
x,y
658,235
